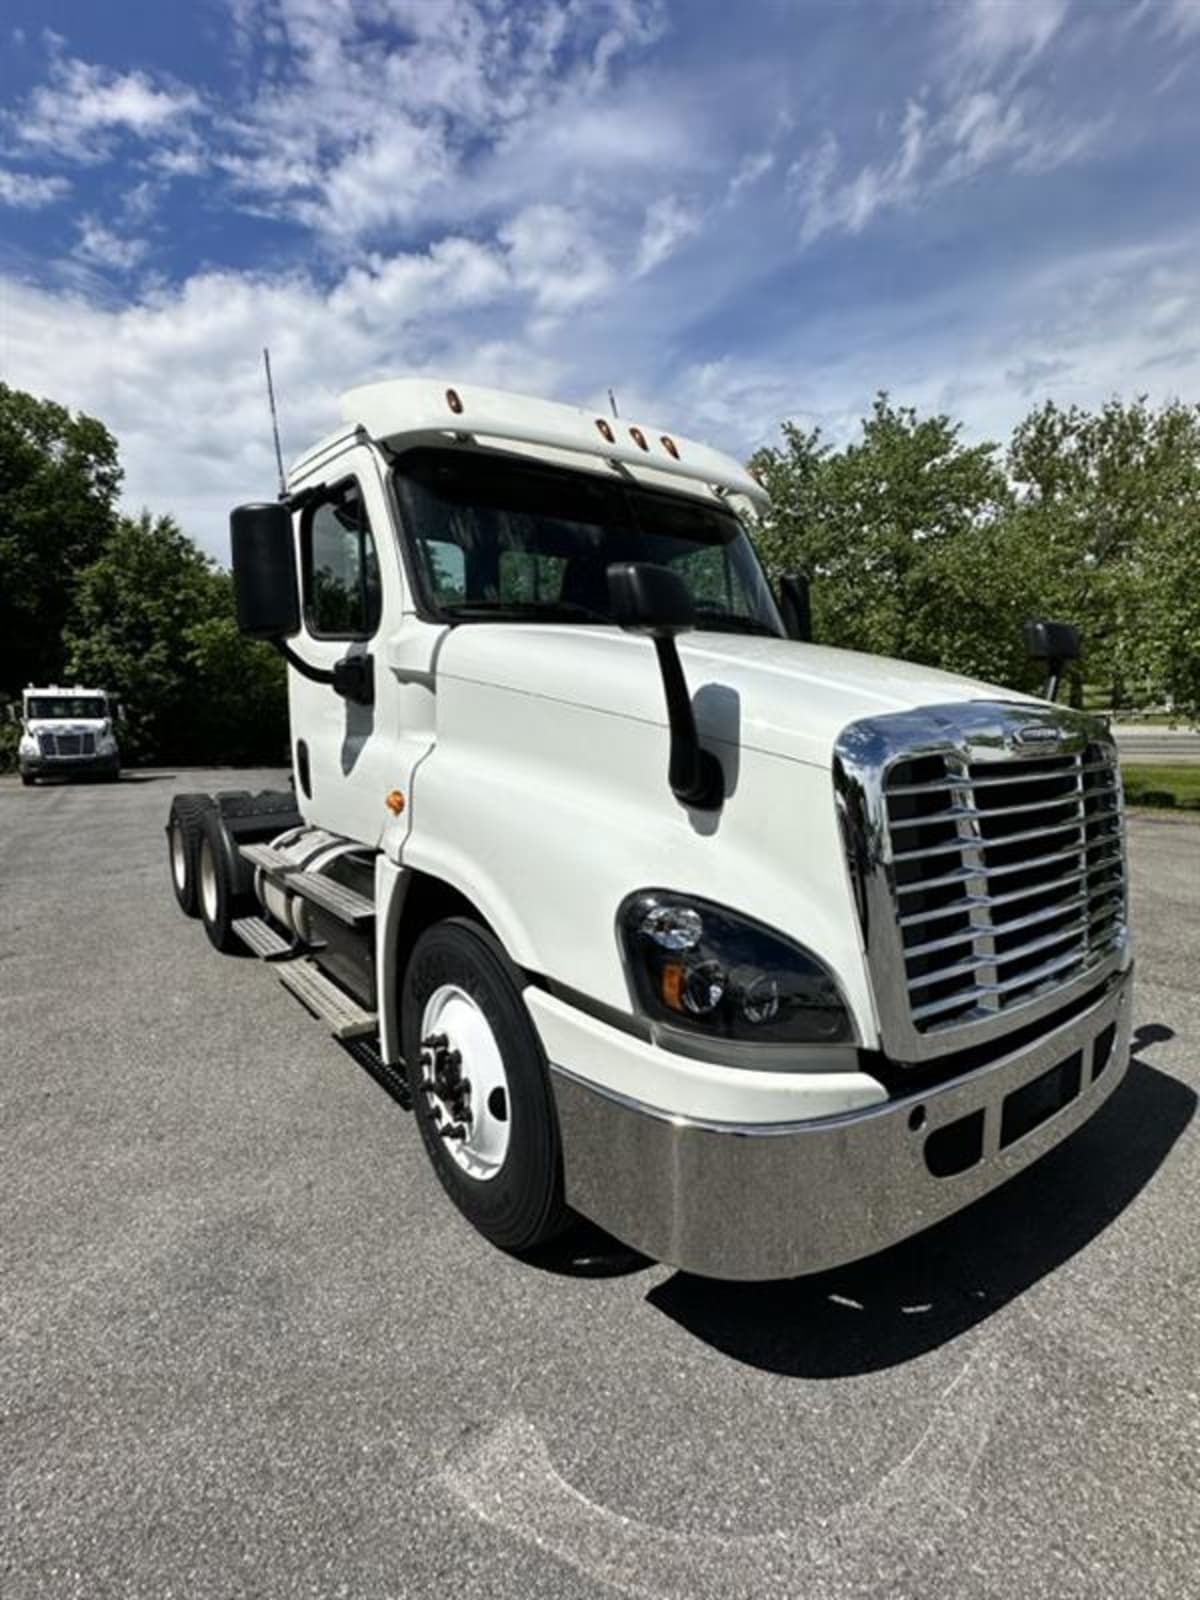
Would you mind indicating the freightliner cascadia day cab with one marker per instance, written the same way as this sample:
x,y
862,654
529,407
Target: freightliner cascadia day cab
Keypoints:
x,y
761,955
68,733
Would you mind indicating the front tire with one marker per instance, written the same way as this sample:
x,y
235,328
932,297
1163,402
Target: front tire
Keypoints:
x,y
496,1148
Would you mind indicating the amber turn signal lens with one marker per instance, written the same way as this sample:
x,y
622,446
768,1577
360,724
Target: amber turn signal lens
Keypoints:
x,y
395,802
672,985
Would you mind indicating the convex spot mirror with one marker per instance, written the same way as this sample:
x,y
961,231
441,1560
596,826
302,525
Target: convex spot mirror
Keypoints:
x,y
1052,641
264,570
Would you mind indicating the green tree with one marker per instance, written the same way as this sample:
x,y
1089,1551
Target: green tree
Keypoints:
x,y
889,528
1110,512
153,621
59,479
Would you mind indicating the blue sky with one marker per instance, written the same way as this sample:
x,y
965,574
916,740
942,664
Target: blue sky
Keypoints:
x,y
731,214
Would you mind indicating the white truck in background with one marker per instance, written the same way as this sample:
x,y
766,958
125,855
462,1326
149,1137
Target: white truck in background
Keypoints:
x,y
761,955
68,732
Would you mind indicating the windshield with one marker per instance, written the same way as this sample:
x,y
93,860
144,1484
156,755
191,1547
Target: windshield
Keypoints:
x,y
497,539
72,705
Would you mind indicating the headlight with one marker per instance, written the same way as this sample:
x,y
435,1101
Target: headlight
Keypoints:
x,y
696,965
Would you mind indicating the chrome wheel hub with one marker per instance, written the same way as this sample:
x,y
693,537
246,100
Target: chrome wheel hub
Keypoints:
x,y
464,1081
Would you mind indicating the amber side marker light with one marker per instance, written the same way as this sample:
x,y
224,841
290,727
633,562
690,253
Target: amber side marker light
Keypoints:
x,y
672,985
454,401
395,802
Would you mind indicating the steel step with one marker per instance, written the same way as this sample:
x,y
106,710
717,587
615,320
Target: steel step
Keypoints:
x,y
262,855
262,938
345,904
318,994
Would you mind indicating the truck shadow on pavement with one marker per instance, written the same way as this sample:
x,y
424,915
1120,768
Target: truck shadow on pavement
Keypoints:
x,y
906,1301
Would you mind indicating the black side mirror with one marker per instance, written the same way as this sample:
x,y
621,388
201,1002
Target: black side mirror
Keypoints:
x,y
1055,643
795,606
649,599
264,571
654,601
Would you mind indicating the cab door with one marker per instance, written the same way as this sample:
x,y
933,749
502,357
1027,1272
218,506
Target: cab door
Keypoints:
x,y
344,746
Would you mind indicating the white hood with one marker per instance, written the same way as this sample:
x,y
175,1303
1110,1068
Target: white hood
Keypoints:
x,y
768,694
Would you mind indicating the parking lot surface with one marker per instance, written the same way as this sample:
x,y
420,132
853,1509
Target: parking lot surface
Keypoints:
x,y
248,1349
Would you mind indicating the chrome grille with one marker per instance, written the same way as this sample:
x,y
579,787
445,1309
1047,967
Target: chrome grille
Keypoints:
x,y
985,842
1008,877
67,744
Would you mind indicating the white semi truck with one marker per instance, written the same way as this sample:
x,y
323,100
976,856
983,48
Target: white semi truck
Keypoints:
x,y
761,955
68,732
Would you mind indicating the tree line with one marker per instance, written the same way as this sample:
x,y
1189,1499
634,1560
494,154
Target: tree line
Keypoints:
x,y
922,546
128,604
918,545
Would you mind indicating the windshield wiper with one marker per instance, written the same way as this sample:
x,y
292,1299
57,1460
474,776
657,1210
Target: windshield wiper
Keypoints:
x,y
525,610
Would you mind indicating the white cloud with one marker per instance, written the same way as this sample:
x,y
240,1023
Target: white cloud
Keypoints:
x,y
991,33
102,247
76,112
464,109
1179,19
29,191
668,224
750,169
556,258
178,375
981,128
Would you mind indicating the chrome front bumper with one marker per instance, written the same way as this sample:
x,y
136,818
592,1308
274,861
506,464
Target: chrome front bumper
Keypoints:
x,y
63,766
728,1200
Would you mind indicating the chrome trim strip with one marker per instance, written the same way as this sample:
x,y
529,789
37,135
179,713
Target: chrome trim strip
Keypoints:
x,y
964,735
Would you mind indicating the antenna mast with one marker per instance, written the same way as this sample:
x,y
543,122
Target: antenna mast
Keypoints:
x,y
275,424
612,400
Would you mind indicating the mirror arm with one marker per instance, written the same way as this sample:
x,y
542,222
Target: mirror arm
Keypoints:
x,y
1053,680
313,674
694,774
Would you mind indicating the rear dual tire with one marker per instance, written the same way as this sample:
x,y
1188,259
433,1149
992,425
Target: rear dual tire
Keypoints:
x,y
220,895
183,838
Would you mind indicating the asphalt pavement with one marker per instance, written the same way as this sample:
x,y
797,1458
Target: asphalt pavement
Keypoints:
x,y
248,1349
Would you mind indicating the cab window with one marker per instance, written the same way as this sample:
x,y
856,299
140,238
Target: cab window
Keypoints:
x,y
342,594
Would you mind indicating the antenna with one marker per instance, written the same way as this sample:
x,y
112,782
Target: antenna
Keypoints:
x,y
612,400
275,424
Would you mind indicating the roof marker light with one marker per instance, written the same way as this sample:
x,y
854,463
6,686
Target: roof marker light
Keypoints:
x,y
639,438
670,446
454,402
605,430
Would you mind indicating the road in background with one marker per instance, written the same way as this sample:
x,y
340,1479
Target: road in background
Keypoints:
x,y
249,1350
1170,746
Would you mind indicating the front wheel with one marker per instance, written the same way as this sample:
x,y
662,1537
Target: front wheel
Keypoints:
x,y
480,1087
